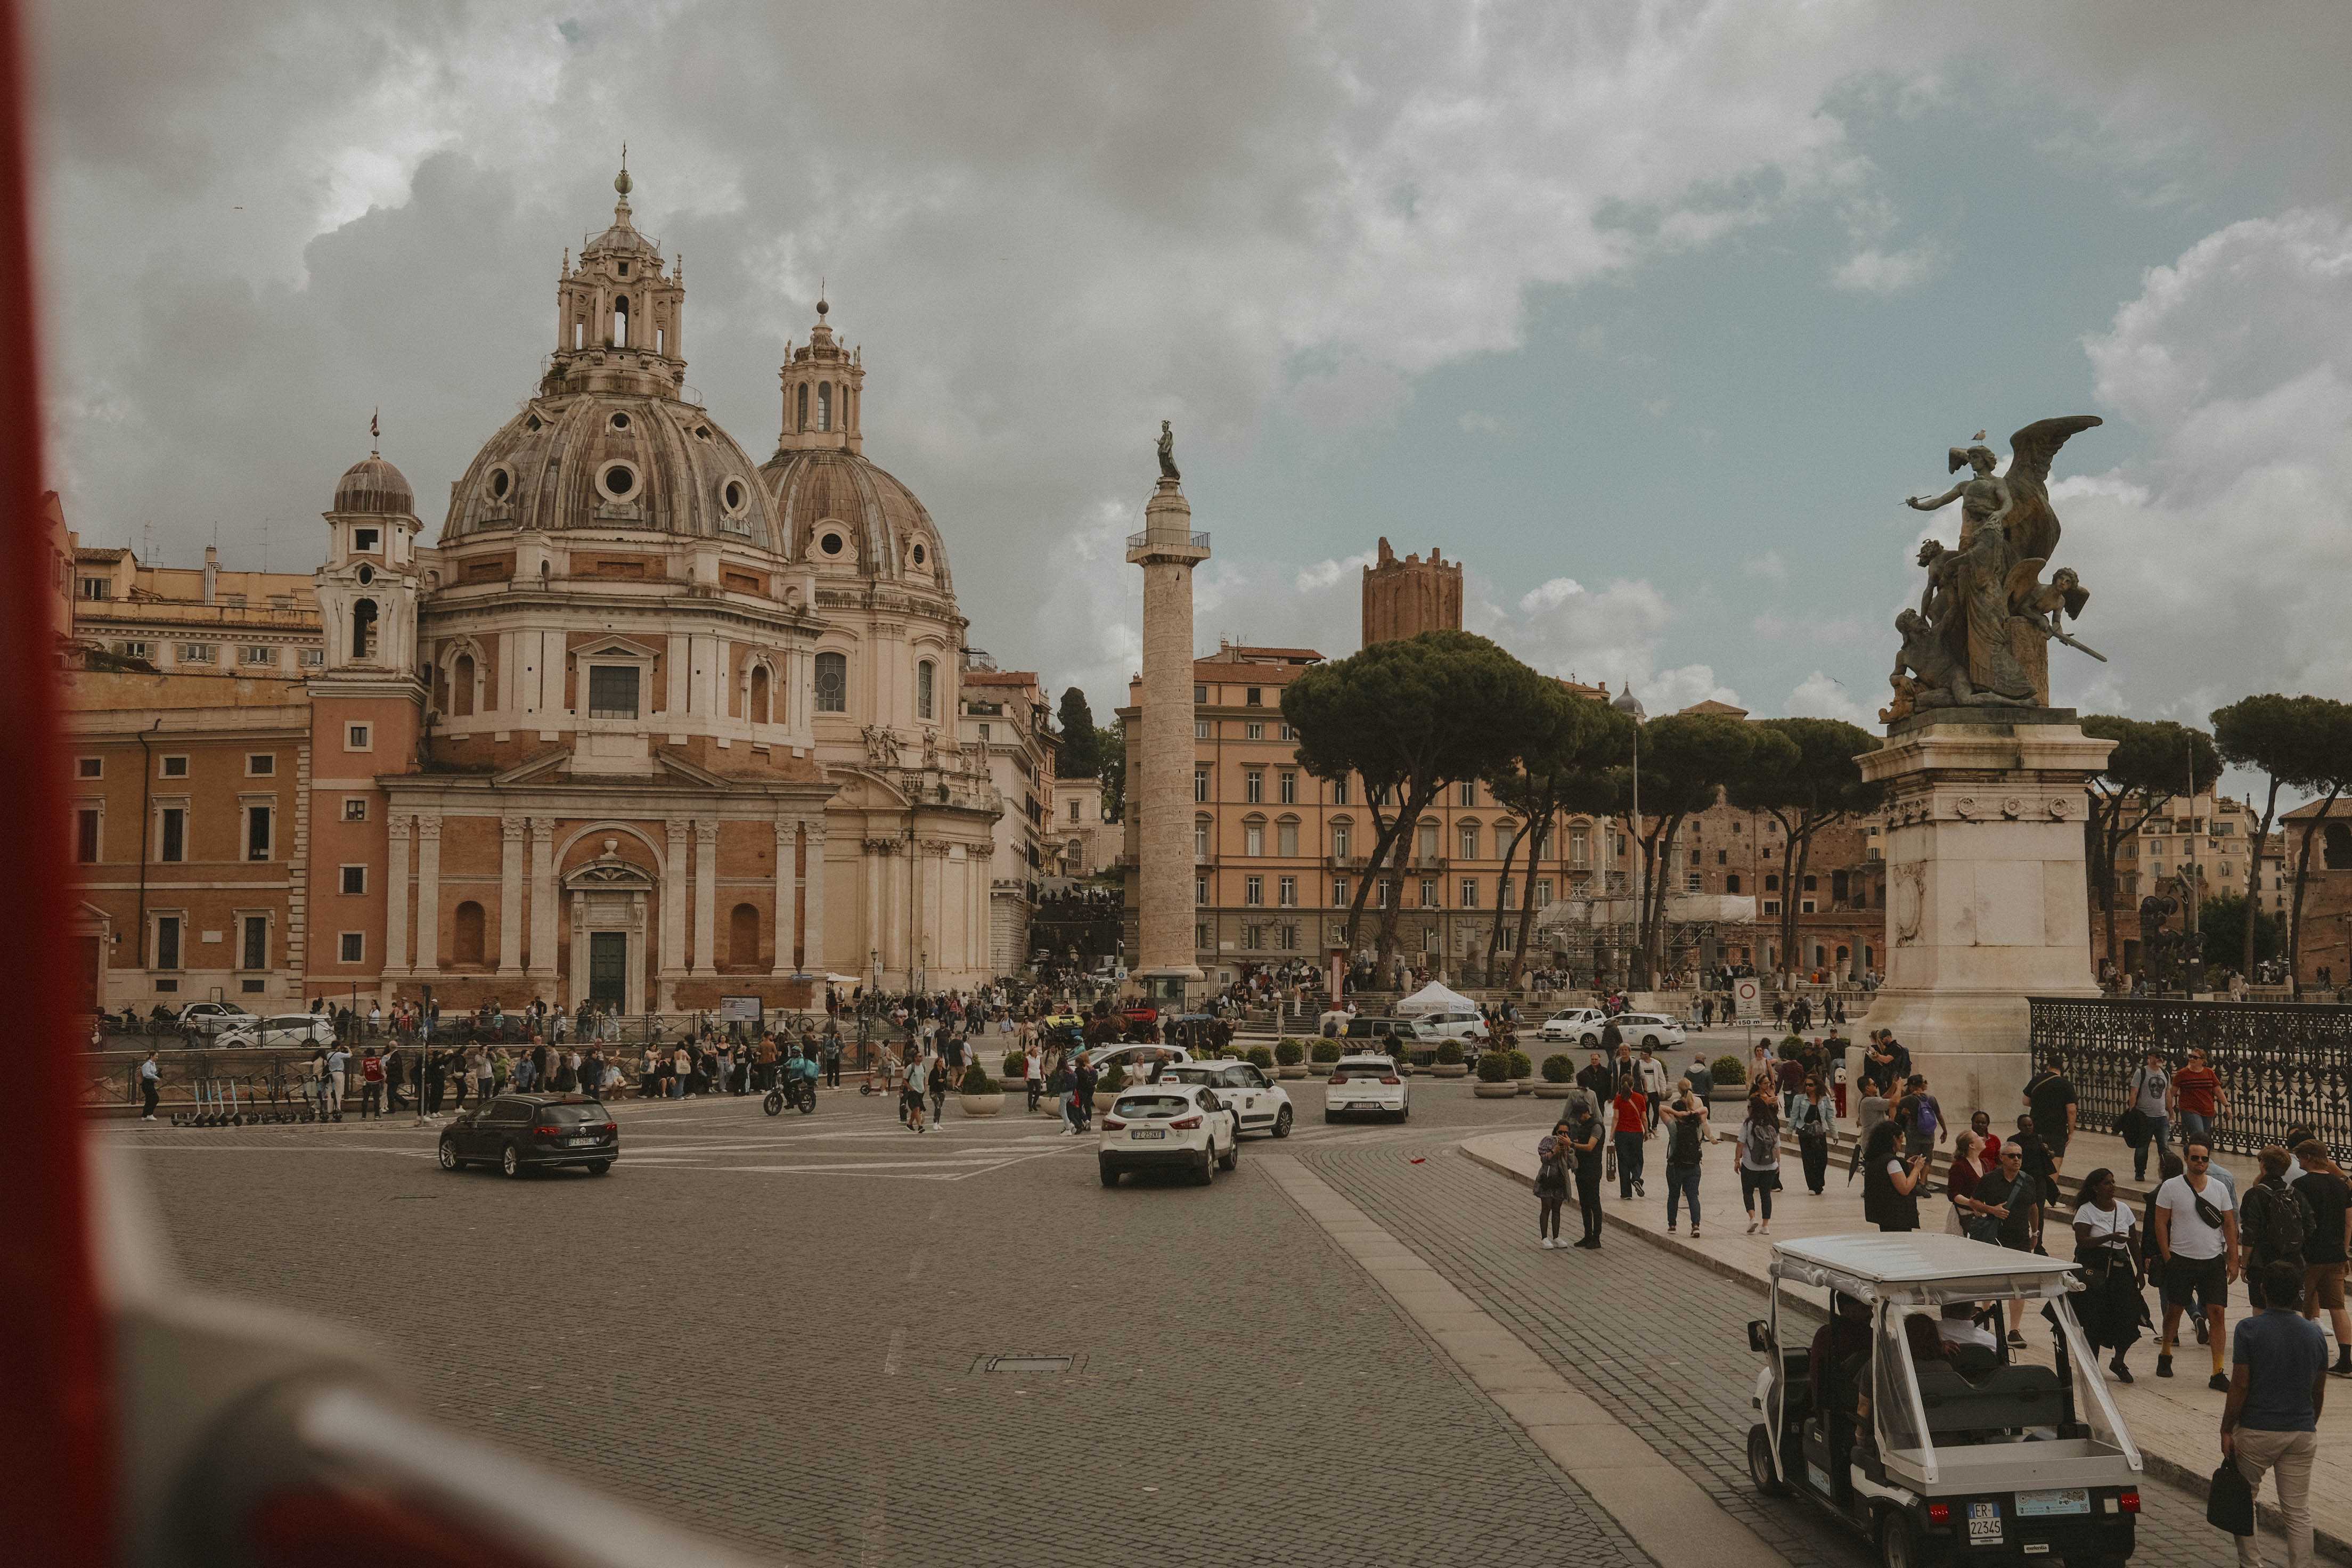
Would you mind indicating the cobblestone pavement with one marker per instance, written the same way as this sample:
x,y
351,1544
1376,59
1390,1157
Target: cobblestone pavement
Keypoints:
x,y
768,1330
1657,1340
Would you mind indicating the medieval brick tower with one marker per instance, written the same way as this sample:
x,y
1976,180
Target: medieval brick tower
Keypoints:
x,y
1405,598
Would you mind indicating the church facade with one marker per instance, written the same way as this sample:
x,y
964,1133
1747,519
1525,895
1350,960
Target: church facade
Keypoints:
x,y
648,723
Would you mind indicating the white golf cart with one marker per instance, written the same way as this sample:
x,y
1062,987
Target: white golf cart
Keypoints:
x,y
1918,1428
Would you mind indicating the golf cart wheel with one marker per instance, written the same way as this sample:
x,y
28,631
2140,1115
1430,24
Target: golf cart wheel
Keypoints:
x,y
447,1155
1898,1539
774,1104
510,1160
1759,1462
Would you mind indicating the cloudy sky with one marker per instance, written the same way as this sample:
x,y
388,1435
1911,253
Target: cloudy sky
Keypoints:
x,y
1651,314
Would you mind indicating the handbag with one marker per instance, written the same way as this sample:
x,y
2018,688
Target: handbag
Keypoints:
x,y
2229,1500
2132,1126
1609,1163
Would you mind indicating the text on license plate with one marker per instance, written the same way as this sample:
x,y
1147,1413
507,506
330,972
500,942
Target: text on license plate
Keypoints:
x,y
584,1137
1148,1133
2062,1500
1984,1522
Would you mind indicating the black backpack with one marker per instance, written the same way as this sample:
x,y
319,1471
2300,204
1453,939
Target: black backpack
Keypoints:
x,y
2286,1222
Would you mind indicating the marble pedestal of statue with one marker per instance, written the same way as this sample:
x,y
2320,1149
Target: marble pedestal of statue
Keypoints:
x,y
1987,897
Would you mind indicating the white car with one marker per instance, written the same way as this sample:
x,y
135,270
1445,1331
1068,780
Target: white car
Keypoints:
x,y
1366,1083
1262,1104
1655,1030
1128,1058
285,1029
208,1019
1169,1126
1465,1026
1580,1025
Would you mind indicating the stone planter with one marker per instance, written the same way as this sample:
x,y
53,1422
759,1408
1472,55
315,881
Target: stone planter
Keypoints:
x,y
1525,1084
1505,1089
1300,1070
981,1104
1451,1069
1554,1090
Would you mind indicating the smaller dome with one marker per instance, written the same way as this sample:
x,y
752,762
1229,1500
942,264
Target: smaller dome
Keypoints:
x,y
373,485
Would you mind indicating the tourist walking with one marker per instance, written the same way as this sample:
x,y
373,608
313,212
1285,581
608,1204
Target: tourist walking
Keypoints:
x,y
2197,1236
1686,1120
1810,1116
1584,1142
371,1083
1756,1155
1890,1183
1551,1184
1960,1182
2197,1098
918,1079
2111,1308
151,1087
2275,1222
1630,1123
1653,1084
2323,1186
2150,1095
2278,1385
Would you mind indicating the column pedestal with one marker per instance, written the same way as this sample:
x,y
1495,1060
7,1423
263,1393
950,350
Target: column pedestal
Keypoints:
x,y
1987,899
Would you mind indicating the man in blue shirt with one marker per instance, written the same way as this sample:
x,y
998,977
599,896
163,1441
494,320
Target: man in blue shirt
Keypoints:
x,y
2278,1384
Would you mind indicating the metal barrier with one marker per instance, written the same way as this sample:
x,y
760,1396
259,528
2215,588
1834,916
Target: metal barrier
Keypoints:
x,y
2281,1066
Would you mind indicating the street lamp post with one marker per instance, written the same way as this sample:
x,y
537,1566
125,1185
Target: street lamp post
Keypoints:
x,y
1631,706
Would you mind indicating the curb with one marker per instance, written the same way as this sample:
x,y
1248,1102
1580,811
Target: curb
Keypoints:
x,y
2189,1482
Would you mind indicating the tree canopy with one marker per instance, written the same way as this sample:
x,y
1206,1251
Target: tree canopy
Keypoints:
x,y
1686,760
2302,743
1812,782
1564,765
2154,761
1410,716
1082,743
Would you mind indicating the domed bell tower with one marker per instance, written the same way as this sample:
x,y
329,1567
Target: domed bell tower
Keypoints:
x,y
620,322
824,391
367,586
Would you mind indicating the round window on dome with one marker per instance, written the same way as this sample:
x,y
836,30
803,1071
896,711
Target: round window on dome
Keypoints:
x,y
618,480
919,555
831,545
702,432
500,483
532,423
734,495
620,421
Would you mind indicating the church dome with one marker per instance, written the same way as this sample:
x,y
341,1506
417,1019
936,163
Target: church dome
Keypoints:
x,y
374,487
836,508
613,459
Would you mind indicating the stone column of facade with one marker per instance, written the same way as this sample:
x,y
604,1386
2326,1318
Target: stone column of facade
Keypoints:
x,y
510,842
673,913
395,894
812,922
787,883
543,899
428,892
1986,901
706,898
1168,550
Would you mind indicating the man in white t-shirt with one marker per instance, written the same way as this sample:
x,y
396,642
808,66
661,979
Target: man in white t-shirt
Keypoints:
x,y
1957,1326
2197,1232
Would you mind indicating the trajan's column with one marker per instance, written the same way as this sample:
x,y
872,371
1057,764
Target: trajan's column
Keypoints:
x,y
1167,550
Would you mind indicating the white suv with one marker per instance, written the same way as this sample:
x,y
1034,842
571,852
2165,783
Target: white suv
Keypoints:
x,y
1262,1104
1465,1026
1169,1126
1580,1025
1366,1083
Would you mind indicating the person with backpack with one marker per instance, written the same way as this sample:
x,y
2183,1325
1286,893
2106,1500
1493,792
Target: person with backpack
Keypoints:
x,y
1756,1157
2148,1099
1686,1120
2324,1186
1551,1184
2275,1221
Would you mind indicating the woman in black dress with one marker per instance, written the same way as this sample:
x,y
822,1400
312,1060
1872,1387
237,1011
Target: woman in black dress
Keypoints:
x,y
2111,1303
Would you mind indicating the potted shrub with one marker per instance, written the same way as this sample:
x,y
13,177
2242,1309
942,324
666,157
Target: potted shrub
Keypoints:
x,y
1449,1060
1523,1070
1326,1052
1015,1067
1290,1057
1730,1076
979,1094
1107,1086
1558,1078
1260,1058
1494,1077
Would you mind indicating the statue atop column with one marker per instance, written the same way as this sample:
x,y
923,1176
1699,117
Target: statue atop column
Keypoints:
x,y
1981,634
1167,453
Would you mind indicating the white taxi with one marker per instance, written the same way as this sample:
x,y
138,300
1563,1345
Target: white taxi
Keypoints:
x,y
1580,1024
1655,1030
1262,1104
1361,1083
1169,1126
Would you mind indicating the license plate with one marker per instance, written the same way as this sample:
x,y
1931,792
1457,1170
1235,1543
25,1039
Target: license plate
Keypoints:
x,y
1148,1133
1984,1522
2062,1500
588,1138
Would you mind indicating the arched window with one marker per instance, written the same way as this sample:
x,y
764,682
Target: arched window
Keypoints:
x,y
1342,837
1254,835
756,710
832,683
801,421
1772,881
825,405
364,629
926,678
2336,848
1731,882
1201,830
466,935
744,937
461,686
620,321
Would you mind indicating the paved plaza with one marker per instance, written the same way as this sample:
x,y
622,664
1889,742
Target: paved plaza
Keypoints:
x,y
775,1330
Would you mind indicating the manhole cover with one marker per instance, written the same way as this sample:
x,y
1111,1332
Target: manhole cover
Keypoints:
x,y
1028,1363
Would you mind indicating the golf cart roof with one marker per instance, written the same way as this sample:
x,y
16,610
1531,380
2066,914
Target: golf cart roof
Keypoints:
x,y
1920,1267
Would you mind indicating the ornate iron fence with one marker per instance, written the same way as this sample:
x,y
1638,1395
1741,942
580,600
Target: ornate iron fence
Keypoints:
x,y
2281,1066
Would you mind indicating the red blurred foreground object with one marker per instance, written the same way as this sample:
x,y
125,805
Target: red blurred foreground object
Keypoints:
x,y
56,1445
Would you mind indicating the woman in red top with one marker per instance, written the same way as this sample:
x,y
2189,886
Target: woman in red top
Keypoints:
x,y
1632,1124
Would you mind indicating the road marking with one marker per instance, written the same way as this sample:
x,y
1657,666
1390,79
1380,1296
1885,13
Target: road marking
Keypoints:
x,y
898,1348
